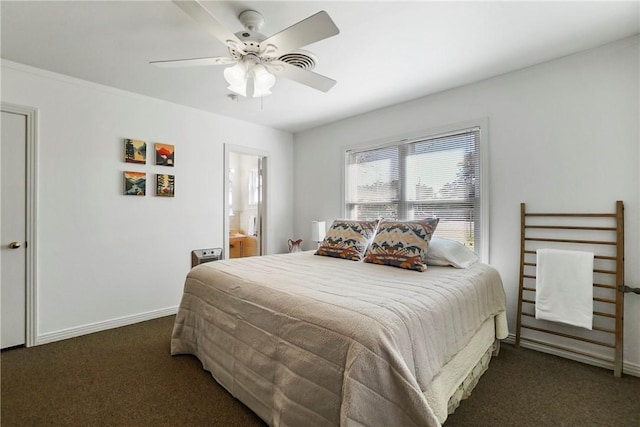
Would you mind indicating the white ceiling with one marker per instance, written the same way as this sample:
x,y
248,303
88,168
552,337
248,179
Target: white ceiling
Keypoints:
x,y
387,52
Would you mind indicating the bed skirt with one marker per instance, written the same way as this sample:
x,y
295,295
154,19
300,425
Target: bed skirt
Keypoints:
x,y
460,375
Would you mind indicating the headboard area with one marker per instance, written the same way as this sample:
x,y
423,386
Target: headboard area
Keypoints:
x,y
554,247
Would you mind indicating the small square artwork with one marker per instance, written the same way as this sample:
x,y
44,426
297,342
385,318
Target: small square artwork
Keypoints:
x,y
135,183
164,154
135,151
165,185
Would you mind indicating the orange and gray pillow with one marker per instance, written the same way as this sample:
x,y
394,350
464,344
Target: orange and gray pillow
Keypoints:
x,y
402,244
347,239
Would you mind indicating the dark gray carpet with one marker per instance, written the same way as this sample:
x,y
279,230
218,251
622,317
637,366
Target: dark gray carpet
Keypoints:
x,y
127,377
528,388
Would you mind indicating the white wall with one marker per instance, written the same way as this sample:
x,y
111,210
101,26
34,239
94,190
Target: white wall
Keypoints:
x,y
563,136
105,259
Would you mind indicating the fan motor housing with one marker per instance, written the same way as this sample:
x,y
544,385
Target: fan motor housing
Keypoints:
x,y
251,41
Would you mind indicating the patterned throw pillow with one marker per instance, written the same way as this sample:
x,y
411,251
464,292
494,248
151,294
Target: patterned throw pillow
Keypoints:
x,y
347,239
402,244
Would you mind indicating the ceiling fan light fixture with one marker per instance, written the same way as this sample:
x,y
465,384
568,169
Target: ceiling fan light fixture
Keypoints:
x,y
279,53
249,79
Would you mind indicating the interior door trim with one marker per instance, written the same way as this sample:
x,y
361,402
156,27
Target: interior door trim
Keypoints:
x,y
31,223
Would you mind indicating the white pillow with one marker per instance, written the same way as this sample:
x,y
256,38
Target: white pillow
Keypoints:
x,y
445,252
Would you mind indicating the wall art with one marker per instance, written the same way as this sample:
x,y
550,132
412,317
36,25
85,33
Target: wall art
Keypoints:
x,y
165,185
135,151
135,183
165,154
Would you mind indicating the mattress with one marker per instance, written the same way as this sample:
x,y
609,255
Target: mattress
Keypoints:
x,y
309,340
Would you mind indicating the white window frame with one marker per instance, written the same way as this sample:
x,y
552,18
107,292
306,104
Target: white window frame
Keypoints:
x,y
482,124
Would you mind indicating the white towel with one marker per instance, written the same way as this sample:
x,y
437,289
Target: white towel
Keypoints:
x,y
564,287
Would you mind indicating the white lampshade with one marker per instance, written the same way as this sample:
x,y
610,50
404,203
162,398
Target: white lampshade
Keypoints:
x,y
236,76
318,229
263,81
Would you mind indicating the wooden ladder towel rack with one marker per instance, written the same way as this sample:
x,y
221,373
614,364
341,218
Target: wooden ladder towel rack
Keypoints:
x,y
600,233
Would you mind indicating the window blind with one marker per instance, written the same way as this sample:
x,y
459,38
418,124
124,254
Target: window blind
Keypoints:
x,y
431,176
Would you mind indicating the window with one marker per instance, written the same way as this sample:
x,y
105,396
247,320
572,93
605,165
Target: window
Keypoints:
x,y
429,176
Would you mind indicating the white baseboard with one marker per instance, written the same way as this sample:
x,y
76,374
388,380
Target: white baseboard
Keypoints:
x,y
627,368
103,326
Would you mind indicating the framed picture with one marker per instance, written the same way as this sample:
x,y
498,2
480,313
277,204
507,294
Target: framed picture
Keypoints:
x,y
135,183
135,151
165,154
165,185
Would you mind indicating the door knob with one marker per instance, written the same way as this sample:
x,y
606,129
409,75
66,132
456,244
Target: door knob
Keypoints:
x,y
14,245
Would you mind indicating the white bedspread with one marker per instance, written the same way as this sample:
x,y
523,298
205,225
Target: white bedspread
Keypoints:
x,y
305,340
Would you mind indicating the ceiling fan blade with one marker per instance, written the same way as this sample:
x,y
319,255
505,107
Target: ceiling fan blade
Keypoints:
x,y
312,29
300,75
201,15
194,62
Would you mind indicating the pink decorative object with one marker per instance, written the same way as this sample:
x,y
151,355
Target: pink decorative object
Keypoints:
x,y
295,245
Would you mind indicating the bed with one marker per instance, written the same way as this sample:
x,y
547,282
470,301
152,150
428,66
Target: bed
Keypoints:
x,y
320,341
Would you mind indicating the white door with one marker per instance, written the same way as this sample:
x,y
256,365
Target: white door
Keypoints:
x,y
13,229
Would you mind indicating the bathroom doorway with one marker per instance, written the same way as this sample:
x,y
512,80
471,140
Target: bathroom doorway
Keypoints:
x,y
245,202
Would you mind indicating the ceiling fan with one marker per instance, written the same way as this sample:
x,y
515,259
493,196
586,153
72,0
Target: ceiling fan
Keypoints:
x,y
259,59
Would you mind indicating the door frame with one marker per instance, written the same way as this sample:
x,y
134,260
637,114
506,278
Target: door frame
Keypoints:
x,y
265,155
31,220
